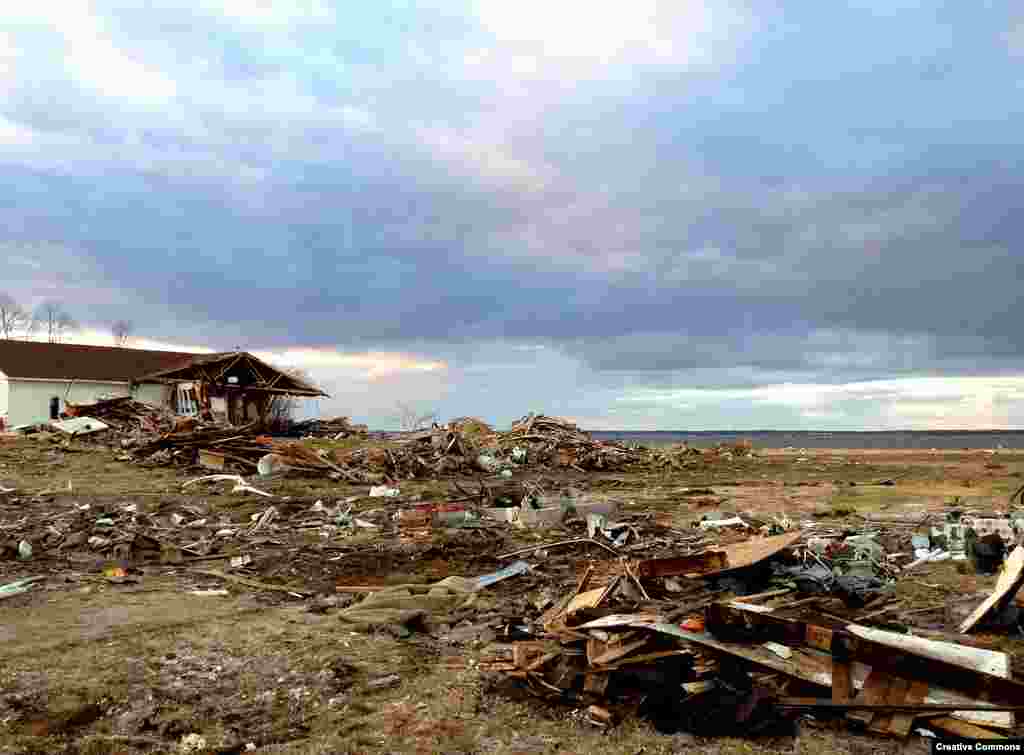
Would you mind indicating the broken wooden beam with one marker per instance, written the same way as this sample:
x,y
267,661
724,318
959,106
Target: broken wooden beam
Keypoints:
x,y
917,708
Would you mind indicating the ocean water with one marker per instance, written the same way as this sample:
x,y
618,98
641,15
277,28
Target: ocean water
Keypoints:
x,y
923,439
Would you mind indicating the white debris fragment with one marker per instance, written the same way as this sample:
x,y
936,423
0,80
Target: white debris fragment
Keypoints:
x,y
711,524
780,650
192,743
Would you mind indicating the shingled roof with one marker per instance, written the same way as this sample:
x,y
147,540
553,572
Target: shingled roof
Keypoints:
x,y
65,361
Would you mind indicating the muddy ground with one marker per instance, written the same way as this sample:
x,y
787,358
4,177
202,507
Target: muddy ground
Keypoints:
x,y
95,660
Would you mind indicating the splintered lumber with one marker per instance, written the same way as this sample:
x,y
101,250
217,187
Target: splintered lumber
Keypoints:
x,y
525,652
814,666
842,682
762,596
959,673
613,652
1009,583
959,728
718,560
918,709
874,692
903,722
596,682
894,697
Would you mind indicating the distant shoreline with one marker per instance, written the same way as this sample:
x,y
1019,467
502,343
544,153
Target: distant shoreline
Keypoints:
x,y
920,440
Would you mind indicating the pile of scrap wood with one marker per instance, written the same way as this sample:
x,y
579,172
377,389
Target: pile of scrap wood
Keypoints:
x,y
558,442
470,446
189,445
620,645
336,429
124,414
243,448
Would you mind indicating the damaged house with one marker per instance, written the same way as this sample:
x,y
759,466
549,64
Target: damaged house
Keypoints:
x,y
38,380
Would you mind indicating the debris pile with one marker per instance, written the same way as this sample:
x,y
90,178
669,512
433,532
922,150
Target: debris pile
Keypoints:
x,y
661,639
467,446
560,443
125,415
209,445
335,429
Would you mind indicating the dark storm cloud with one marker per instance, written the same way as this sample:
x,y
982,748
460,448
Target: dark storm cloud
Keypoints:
x,y
816,206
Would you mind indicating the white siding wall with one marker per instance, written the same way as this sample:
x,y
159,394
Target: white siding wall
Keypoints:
x,y
29,401
152,393
3,396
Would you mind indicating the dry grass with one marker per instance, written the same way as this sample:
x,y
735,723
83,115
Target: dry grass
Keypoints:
x,y
161,663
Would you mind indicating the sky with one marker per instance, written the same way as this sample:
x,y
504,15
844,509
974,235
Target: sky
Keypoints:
x,y
731,214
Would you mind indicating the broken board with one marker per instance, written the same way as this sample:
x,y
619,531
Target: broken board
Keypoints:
x,y
964,673
718,560
815,666
1010,580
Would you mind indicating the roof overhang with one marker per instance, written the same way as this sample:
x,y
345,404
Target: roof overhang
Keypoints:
x,y
217,368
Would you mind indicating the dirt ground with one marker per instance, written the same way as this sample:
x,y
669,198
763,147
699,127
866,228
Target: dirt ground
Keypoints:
x,y
95,662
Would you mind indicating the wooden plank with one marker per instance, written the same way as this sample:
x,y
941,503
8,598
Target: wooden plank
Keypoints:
x,y
644,658
584,580
720,559
543,660
816,667
595,648
618,651
897,692
842,682
874,692
902,723
588,599
596,683
952,666
760,596
918,709
960,728
526,651
1009,583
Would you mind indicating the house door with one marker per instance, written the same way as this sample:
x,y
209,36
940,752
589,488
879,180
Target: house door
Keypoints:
x,y
55,407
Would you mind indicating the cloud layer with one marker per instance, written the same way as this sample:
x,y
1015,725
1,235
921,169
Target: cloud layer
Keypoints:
x,y
657,214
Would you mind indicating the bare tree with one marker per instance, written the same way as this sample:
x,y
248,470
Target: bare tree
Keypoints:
x,y
409,418
14,318
54,320
122,331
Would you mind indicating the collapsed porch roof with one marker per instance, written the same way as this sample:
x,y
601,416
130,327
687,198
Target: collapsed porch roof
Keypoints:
x,y
235,369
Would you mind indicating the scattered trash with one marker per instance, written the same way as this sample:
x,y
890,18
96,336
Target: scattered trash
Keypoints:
x,y
271,464
24,550
512,570
192,743
735,521
18,587
780,650
624,611
79,426
408,607
241,486
392,680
